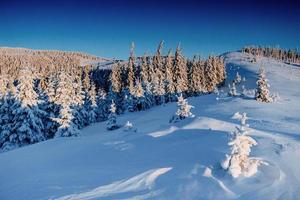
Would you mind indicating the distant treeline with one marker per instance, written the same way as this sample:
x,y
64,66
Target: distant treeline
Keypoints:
x,y
289,56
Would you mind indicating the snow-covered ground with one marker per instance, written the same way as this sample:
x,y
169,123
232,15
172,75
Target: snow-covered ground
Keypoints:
x,y
171,161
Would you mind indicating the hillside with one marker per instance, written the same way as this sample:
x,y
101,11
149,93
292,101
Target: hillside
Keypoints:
x,y
171,161
15,58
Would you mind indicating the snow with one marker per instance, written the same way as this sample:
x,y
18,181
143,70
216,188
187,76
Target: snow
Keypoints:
x,y
142,181
164,161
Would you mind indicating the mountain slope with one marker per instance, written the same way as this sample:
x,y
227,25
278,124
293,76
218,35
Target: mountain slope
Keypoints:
x,y
171,161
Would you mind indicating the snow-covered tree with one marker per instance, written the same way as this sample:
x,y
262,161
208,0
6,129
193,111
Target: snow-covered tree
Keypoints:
x,y
102,104
27,126
131,71
64,98
66,127
211,75
159,87
232,90
180,72
111,123
115,78
79,112
92,106
6,116
238,162
238,78
183,110
169,81
129,127
262,93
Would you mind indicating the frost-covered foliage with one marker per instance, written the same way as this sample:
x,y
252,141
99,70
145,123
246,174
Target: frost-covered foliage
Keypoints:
x,y
232,90
262,93
91,104
111,123
27,121
183,110
238,78
65,95
129,127
238,162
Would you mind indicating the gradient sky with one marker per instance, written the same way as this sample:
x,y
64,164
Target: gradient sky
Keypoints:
x,y
106,28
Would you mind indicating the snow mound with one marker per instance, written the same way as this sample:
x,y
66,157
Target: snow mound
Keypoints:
x,y
140,182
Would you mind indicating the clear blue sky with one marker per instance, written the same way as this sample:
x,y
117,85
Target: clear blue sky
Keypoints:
x,y
106,28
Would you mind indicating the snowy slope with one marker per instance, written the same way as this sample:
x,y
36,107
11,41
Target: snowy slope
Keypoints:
x,y
171,161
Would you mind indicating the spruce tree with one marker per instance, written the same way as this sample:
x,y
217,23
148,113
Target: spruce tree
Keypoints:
x,y
6,116
180,72
169,80
64,98
211,76
111,124
183,110
238,162
28,126
262,93
92,104
131,71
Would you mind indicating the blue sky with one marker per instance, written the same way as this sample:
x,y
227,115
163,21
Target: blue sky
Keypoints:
x,y
106,28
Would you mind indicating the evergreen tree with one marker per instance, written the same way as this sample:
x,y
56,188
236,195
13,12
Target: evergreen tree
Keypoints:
x,y
79,112
183,110
51,108
28,126
262,93
111,124
180,72
131,72
232,90
102,104
238,78
238,162
169,80
116,87
92,104
64,98
211,76
6,115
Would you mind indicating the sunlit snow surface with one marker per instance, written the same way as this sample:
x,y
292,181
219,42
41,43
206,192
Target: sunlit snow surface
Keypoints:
x,y
171,161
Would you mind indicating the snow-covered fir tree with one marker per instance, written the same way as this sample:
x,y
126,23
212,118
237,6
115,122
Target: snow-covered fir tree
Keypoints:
x,y
232,90
159,87
144,73
131,71
6,116
51,108
64,98
129,127
196,77
183,111
91,104
169,80
262,93
238,162
180,72
27,126
139,96
115,78
238,78
66,127
102,104
210,73
79,111
111,123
